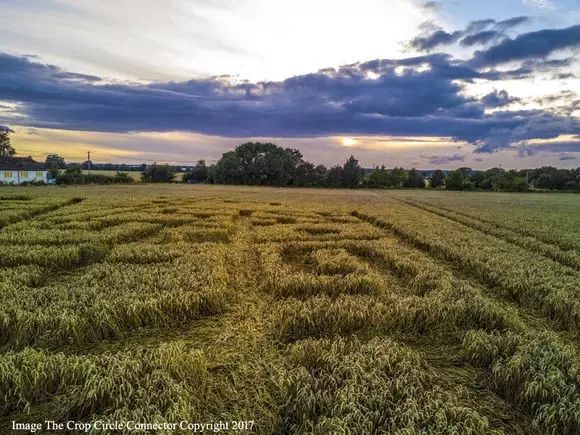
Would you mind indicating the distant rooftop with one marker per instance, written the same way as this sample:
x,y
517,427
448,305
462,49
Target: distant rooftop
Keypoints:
x,y
20,164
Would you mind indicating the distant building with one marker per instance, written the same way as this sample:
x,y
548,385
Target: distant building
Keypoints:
x,y
19,170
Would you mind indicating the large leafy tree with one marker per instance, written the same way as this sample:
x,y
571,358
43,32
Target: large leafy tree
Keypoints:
x,y
548,177
256,163
55,162
415,179
6,149
198,174
437,178
352,173
334,177
398,177
306,175
455,180
379,178
320,172
158,174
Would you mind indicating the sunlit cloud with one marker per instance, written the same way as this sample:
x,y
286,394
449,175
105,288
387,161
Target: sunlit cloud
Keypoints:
x,y
253,39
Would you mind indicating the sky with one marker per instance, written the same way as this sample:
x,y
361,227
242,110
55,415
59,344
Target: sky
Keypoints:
x,y
425,84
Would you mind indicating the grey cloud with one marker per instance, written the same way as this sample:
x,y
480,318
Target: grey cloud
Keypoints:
x,y
482,38
432,5
445,159
498,99
413,101
435,39
476,32
548,148
529,46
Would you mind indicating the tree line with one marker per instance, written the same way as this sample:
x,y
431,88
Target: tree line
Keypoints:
x,y
267,164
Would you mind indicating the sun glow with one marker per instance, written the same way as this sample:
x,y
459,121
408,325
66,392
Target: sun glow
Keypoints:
x,y
348,142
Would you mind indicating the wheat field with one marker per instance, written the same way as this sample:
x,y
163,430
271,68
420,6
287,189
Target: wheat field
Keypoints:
x,y
303,311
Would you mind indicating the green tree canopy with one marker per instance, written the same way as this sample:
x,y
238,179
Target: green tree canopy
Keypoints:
x,y
198,174
455,180
334,177
437,178
256,163
378,179
55,162
158,174
352,173
398,177
308,175
6,149
414,179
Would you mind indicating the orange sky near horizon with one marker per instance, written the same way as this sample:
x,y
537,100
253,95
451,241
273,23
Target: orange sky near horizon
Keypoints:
x,y
186,148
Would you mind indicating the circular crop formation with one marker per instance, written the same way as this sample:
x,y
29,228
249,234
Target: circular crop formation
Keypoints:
x,y
303,315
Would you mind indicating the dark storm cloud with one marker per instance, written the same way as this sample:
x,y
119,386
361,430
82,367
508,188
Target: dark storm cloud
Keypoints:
x,y
549,147
479,25
527,46
476,32
435,39
498,99
415,96
481,38
511,22
538,125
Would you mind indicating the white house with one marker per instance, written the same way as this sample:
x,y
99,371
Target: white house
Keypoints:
x,y
19,170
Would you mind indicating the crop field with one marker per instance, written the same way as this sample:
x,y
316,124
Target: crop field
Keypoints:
x,y
135,175
300,311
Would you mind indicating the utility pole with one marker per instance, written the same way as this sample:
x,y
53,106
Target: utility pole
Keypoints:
x,y
527,178
89,161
